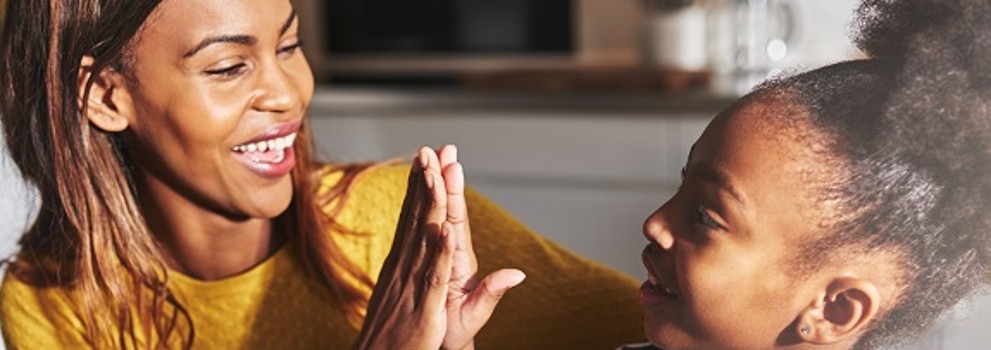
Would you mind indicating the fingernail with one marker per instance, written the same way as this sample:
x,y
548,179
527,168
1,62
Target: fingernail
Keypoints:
x,y
422,157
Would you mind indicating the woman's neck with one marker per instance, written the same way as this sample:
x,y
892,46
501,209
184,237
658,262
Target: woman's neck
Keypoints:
x,y
202,243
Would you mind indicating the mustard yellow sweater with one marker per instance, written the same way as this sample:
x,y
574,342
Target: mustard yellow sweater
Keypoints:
x,y
566,302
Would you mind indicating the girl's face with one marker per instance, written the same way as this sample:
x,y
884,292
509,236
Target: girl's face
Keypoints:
x,y
219,92
718,261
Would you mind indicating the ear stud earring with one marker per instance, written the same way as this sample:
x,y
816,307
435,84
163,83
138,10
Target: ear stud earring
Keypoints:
x,y
805,330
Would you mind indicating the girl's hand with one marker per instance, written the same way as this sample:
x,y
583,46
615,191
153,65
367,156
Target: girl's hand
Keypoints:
x,y
470,302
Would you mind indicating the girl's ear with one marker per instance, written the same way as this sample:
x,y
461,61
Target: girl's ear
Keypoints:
x,y
109,105
841,313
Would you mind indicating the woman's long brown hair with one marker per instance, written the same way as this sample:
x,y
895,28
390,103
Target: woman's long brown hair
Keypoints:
x,y
90,238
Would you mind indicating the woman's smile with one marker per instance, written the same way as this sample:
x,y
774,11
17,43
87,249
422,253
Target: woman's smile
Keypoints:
x,y
270,154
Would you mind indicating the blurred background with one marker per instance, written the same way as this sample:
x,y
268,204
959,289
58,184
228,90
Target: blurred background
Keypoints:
x,y
574,115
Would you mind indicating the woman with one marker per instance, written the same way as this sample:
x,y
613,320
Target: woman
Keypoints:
x,y
180,205
841,208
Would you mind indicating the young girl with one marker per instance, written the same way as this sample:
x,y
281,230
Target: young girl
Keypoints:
x,y
842,208
181,208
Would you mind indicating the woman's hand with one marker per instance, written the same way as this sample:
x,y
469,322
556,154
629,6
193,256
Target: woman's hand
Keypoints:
x,y
408,306
427,295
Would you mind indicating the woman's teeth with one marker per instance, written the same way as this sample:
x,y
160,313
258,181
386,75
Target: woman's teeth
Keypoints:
x,y
276,144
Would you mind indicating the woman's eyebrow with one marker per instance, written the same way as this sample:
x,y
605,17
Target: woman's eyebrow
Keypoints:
x,y
246,40
289,21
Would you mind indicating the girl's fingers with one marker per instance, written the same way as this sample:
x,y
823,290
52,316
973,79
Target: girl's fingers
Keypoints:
x,y
447,154
483,300
465,265
436,280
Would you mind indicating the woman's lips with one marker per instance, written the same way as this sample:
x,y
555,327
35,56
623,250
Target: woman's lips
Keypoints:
x,y
269,164
277,131
271,153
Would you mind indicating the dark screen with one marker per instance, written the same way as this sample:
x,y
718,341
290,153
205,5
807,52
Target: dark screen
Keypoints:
x,y
448,26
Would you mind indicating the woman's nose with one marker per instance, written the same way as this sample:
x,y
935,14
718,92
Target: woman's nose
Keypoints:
x,y
657,228
276,91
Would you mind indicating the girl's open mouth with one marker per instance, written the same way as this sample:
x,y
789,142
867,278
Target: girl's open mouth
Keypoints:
x,y
653,290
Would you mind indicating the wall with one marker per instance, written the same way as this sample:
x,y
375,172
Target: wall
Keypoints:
x,y
16,203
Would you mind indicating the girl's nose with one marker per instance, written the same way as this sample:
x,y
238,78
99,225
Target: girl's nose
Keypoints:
x,y
657,228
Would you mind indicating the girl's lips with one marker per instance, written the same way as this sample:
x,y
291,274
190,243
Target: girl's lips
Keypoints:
x,y
651,295
653,290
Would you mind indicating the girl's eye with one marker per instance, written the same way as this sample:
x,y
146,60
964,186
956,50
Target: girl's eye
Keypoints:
x,y
703,218
228,71
290,49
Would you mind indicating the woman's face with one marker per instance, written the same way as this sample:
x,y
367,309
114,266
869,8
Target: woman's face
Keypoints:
x,y
719,254
219,91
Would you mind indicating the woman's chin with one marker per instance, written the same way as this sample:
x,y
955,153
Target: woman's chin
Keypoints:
x,y
269,204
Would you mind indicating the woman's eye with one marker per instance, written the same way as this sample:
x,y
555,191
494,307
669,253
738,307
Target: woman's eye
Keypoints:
x,y
703,218
290,49
228,71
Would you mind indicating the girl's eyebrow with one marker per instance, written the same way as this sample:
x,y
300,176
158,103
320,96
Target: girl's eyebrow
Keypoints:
x,y
723,180
716,176
246,40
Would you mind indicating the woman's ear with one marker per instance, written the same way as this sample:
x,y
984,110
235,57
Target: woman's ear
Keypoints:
x,y
108,105
846,307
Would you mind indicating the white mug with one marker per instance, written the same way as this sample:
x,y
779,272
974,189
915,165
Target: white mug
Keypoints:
x,y
746,38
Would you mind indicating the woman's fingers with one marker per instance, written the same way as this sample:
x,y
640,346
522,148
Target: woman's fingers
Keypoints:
x,y
405,244
407,308
440,242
